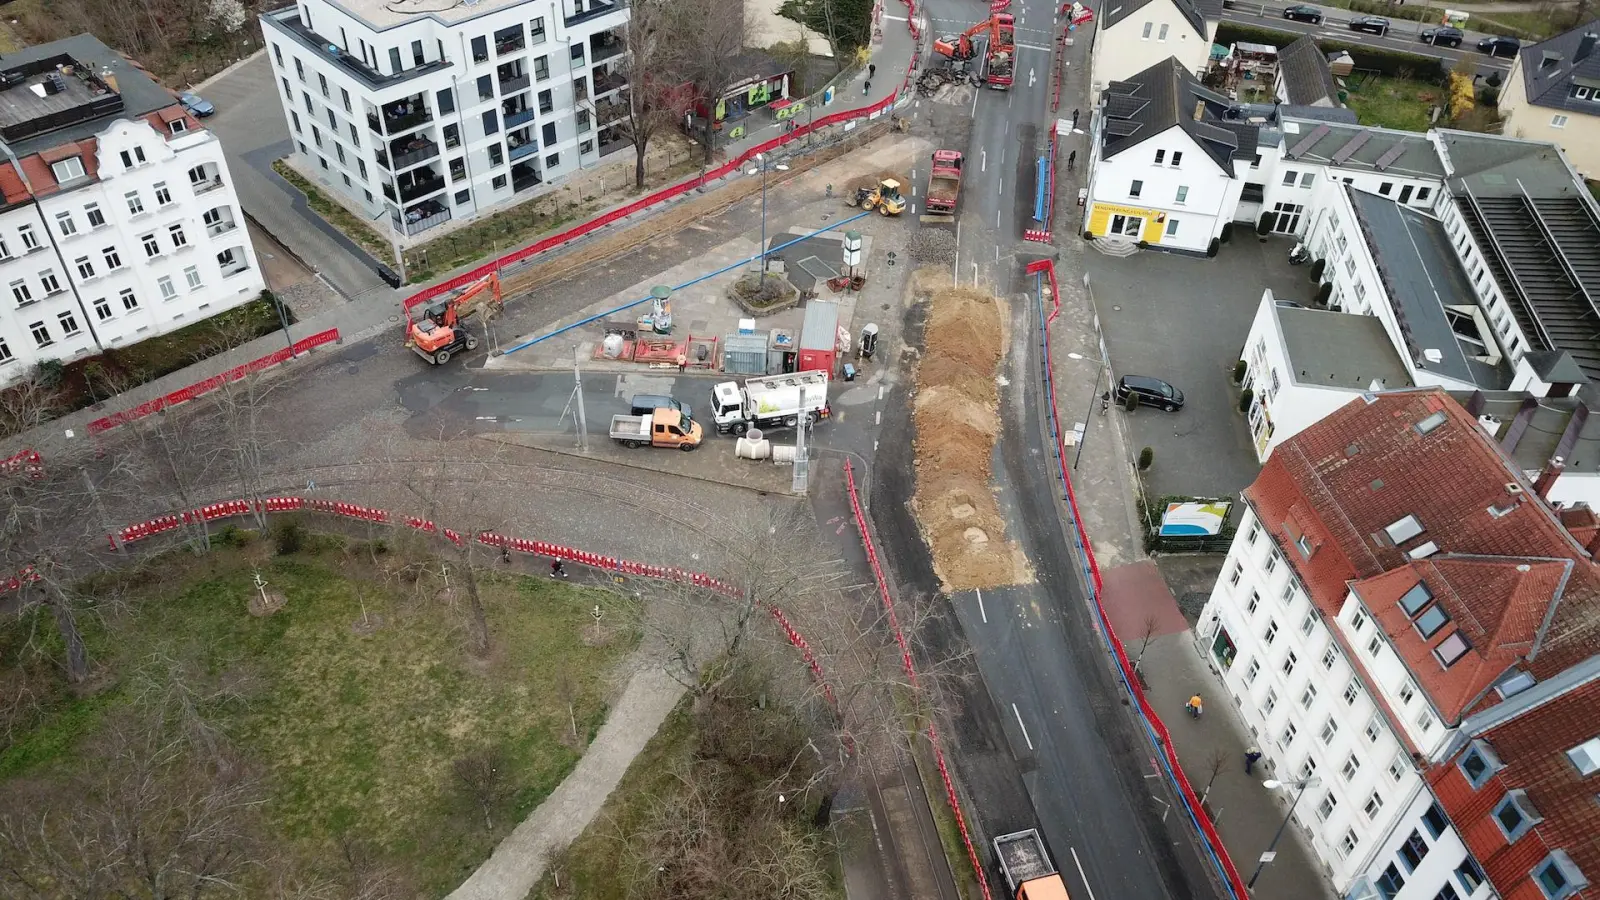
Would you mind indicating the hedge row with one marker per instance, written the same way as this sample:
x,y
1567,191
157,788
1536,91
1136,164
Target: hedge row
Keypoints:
x,y
1394,63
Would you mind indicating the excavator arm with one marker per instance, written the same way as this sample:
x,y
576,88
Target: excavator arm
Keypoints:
x,y
959,46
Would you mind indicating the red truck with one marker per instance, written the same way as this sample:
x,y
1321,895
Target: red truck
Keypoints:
x,y
944,183
1000,57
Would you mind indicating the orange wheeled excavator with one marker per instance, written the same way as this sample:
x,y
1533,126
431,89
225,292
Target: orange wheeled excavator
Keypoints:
x,y
999,51
440,332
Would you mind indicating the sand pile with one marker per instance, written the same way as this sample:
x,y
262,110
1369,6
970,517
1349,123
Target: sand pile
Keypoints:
x,y
957,423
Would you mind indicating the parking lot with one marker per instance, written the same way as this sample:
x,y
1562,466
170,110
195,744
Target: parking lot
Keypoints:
x,y
1184,320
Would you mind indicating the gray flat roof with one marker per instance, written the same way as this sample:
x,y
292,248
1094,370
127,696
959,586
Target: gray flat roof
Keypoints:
x,y
1340,350
1535,429
1495,166
1422,275
140,93
1417,155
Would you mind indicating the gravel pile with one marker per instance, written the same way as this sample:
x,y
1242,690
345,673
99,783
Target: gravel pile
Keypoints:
x,y
932,245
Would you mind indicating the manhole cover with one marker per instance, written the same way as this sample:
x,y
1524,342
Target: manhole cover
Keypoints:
x,y
353,370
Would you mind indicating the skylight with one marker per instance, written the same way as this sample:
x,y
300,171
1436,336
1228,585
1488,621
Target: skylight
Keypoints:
x,y
1424,550
1404,530
1415,599
1451,649
1429,623
1431,423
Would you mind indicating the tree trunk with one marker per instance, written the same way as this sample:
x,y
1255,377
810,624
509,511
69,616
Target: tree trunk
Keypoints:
x,y
477,618
67,624
710,139
638,163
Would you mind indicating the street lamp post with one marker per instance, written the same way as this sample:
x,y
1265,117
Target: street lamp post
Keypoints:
x,y
761,160
1272,785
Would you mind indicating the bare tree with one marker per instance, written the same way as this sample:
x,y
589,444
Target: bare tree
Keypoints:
x,y
172,460
26,404
480,773
1214,766
650,80
1152,628
707,38
243,437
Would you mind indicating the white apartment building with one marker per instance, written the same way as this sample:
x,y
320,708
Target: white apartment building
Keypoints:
x,y
119,220
1134,35
422,112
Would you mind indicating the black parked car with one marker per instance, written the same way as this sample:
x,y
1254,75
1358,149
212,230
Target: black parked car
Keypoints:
x,y
1150,391
1371,24
1303,14
1504,45
1441,36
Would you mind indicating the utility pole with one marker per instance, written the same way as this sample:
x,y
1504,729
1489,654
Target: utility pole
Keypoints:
x,y
577,391
801,465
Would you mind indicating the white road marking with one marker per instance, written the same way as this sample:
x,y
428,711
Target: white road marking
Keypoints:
x,y
1031,78
996,225
894,18
974,105
1082,876
983,160
1002,186
1036,47
955,275
980,608
1024,730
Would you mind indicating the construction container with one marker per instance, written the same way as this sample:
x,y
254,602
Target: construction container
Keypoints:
x,y
819,337
745,354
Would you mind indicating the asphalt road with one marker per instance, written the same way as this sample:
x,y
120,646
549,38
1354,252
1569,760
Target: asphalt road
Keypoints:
x,y
1402,36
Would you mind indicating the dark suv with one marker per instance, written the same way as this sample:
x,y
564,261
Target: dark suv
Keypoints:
x,y
1441,36
1150,391
1377,25
1501,45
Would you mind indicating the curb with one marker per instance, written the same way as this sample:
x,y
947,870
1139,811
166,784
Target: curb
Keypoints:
x,y
578,454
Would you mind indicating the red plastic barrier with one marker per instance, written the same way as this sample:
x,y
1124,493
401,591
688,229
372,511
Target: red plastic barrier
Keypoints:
x,y
28,462
911,674
106,423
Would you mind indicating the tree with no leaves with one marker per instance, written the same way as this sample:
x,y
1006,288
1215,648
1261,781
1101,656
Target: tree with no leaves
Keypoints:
x,y
706,38
480,773
650,79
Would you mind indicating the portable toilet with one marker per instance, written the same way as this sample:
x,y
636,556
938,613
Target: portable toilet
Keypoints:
x,y
819,337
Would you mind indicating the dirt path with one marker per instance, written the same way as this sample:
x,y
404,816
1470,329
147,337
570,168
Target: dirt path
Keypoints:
x,y
518,863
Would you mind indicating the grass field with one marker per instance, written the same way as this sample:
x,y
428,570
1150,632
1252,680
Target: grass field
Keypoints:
x,y
363,695
1394,102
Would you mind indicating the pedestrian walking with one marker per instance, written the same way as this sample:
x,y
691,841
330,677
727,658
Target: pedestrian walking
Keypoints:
x,y
1072,160
1250,758
683,363
1074,118
866,87
872,69
505,554
557,570
1193,706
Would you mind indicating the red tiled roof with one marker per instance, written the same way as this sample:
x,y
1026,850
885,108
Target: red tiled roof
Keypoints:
x,y
11,185
1343,481
42,177
1533,749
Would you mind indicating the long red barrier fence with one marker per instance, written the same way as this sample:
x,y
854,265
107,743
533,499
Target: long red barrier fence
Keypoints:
x,y
667,193
26,462
284,354
1155,729
224,509
911,675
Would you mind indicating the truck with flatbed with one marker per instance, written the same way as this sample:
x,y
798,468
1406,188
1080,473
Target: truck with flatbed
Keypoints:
x,y
661,428
944,183
1027,868
769,401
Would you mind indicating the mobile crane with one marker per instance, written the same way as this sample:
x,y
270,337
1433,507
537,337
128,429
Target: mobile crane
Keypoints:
x,y
440,333
999,52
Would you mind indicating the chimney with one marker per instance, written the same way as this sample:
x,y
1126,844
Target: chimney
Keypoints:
x,y
1199,110
1585,47
1547,477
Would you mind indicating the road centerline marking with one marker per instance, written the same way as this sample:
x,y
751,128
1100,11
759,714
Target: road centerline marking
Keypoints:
x,y
1025,732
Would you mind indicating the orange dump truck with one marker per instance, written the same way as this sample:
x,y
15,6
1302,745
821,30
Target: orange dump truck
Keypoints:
x,y
944,183
1026,865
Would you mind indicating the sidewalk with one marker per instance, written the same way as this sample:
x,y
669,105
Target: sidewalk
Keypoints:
x,y
375,311
1137,599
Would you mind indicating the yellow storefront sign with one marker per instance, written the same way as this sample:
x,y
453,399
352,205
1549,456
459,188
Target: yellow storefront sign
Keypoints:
x,y
1141,224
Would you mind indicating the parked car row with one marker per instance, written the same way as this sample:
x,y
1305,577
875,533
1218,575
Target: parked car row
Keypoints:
x,y
1439,35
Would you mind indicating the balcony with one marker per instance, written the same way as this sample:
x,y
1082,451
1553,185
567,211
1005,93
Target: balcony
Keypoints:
x,y
509,40
420,218
523,151
401,116
287,21
613,111
512,84
619,141
525,176
606,45
207,185
588,9
383,160
419,185
233,262
609,82
520,117
224,223
408,153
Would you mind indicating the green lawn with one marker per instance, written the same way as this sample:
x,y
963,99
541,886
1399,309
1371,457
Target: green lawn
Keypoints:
x,y
356,729
354,227
1394,103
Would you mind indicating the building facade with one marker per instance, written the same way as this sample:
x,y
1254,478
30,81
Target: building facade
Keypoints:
x,y
420,114
120,220
1133,36
1553,95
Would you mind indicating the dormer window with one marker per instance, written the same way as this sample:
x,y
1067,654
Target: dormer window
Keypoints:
x,y
69,169
178,126
1580,93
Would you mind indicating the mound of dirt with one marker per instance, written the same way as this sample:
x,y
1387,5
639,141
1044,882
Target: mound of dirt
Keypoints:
x,y
956,418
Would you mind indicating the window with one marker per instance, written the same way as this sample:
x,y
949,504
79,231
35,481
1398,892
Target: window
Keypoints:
x,y
446,101
1303,544
152,247
21,291
1183,193
129,301
491,122
395,66
549,133
1374,805
1586,756
1161,156
1448,892
1255,532
41,334
1478,764
1515,815
1407,691
69,323
1329,656
5,253
1348,843
1148,27
1270,703
85,267
1451,649
1251,672
536,28
1308,696
1290,176
1514,683
135,205
1385,188
1352,691
1423,193
1469,874
485,88
178,126
345,95
1287,738
480,48
1375,646
191,275
168,289
541,68
1413,851
499,183
1558,877
49,281
452,137
463,196
417,58
1255,601
1162,34
1272,562
133,158
1435,821
1235,575
1398,769
1390,882
1306,178
1308,768
1136,188
65,225
1308,624
1177,157
497,155
294,118
1289,663
1271,633
1558,121
299,69
1373,731
553,160
102,309
1330,729
176,233
577,53
68,169
113,259
92,212
1352,765
1327,806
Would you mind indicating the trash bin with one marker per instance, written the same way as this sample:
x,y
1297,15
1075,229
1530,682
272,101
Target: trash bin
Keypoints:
x,y
849,372
389,276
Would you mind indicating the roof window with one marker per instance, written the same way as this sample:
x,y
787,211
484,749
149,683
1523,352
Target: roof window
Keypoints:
x,y
1431,423
1514,683
1431,620
1586,756
1414,600
1451,649
1424,550
1403,530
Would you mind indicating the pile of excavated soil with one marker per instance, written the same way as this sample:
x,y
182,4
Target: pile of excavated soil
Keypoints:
x,y
957,421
